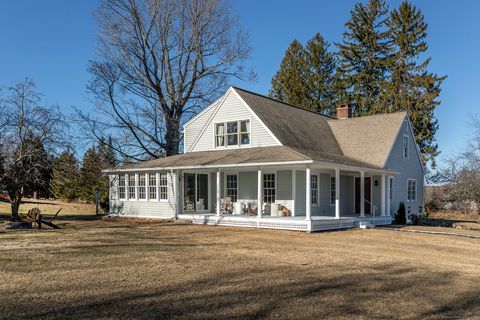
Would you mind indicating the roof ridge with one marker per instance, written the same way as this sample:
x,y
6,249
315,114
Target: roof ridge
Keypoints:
x,y
372,115
283,102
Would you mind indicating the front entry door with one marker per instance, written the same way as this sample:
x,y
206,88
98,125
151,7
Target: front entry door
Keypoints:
x,y
368,194
195,192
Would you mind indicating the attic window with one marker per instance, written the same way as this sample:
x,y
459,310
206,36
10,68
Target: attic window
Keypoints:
x,y
232,133
405,147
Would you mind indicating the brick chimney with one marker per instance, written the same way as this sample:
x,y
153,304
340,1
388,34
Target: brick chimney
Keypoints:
x,y
344,111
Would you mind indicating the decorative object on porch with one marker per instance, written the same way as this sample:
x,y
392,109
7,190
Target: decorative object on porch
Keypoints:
x,y
226,206
286,212
267,209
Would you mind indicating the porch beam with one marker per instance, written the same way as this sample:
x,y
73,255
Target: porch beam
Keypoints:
x,y
294,186
382,194
362,194
259,192
308,200
337,193
387,211
218,192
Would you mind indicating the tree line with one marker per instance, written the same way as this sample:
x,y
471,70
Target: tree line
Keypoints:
x,y
379,66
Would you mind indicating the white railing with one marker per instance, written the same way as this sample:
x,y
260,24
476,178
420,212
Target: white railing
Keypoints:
x,y
374,207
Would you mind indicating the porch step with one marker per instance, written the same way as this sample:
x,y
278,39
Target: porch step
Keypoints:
x,y
365,225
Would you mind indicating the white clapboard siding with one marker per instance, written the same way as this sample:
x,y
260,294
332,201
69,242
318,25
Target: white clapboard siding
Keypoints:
x,y
195,127
145,208
232,108
410,168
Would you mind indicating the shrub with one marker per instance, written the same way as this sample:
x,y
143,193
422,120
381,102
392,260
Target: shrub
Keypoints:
x,y
400,216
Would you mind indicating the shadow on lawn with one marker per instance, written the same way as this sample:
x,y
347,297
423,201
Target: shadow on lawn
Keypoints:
x,y
382,291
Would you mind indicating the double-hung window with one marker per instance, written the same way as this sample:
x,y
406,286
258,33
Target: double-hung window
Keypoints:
x,y
333,192
232,133
232,186
269,188
152,186
314,188
405,147
142,193
121,186
411,190
131,187
163,183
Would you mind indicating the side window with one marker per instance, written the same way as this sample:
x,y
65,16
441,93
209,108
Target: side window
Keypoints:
x,y
411,190
405,147
333,192
314,189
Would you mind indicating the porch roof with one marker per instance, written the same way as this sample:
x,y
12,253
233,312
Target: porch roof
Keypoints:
x,y
245,157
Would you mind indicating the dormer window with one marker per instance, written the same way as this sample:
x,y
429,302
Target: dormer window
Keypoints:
x,y
232,133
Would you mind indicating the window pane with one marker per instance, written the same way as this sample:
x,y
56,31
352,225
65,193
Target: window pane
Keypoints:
x,y
163,186
220,141
244,126
232,140
220,129
232,127
232,186
245,138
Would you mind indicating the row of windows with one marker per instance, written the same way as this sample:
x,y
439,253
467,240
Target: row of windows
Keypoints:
x,y
233,133
145,184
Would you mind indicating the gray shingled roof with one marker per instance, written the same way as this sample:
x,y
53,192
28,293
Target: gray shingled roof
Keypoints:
x,y
293,126
368,139
243,156
305,135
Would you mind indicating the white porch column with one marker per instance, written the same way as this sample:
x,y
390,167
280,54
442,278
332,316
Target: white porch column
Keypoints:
x,y
387,211
382,194
218,192
259,193
337,193
308,195
294,186
177,191
362,194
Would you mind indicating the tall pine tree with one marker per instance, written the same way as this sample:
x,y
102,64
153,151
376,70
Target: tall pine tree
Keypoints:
x,y
289,83
412,88
90,174
65,178
361,72
306,76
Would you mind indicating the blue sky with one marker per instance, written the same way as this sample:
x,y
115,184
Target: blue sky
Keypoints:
x,y
52,41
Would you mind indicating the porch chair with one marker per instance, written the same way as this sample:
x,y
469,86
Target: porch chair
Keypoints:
x,y
267,209
226,207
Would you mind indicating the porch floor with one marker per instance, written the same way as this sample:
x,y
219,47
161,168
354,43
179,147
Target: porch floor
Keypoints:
x,y
297,223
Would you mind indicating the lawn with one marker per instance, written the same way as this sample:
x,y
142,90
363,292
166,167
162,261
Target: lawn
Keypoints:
x,y
124,270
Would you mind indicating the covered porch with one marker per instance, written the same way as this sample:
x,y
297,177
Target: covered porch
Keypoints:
x,y
305,197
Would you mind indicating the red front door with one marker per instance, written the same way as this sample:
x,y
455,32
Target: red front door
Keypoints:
x,y
368,194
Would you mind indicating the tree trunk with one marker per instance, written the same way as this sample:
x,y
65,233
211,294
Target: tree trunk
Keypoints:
x,y
172,136
15,205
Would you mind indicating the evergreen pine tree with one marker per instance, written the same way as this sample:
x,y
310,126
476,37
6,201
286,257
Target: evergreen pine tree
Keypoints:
x,y
289,83
412,88
90,174
64,184
361,72
321,66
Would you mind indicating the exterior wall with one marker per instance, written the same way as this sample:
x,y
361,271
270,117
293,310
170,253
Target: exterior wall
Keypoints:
x,y
300,193
143,208
410,168
232,109
194,128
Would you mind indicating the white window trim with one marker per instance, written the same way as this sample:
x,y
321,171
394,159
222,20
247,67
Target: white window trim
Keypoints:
x,y
156,187
408,182
317,204
159,187
134,187
137,186
124,186
239,145
274,172
330,190
408,147
231,173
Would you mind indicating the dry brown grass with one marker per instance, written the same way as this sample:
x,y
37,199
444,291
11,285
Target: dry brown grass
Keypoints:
x,y
124,270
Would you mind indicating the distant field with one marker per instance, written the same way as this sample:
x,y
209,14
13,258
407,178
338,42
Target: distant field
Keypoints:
x,y
122,269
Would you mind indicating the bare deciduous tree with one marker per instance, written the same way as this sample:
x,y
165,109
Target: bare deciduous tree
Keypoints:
x,y
161,60
31,133
462,172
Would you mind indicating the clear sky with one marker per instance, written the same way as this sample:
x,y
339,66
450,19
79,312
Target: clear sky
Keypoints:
x,y
52,41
